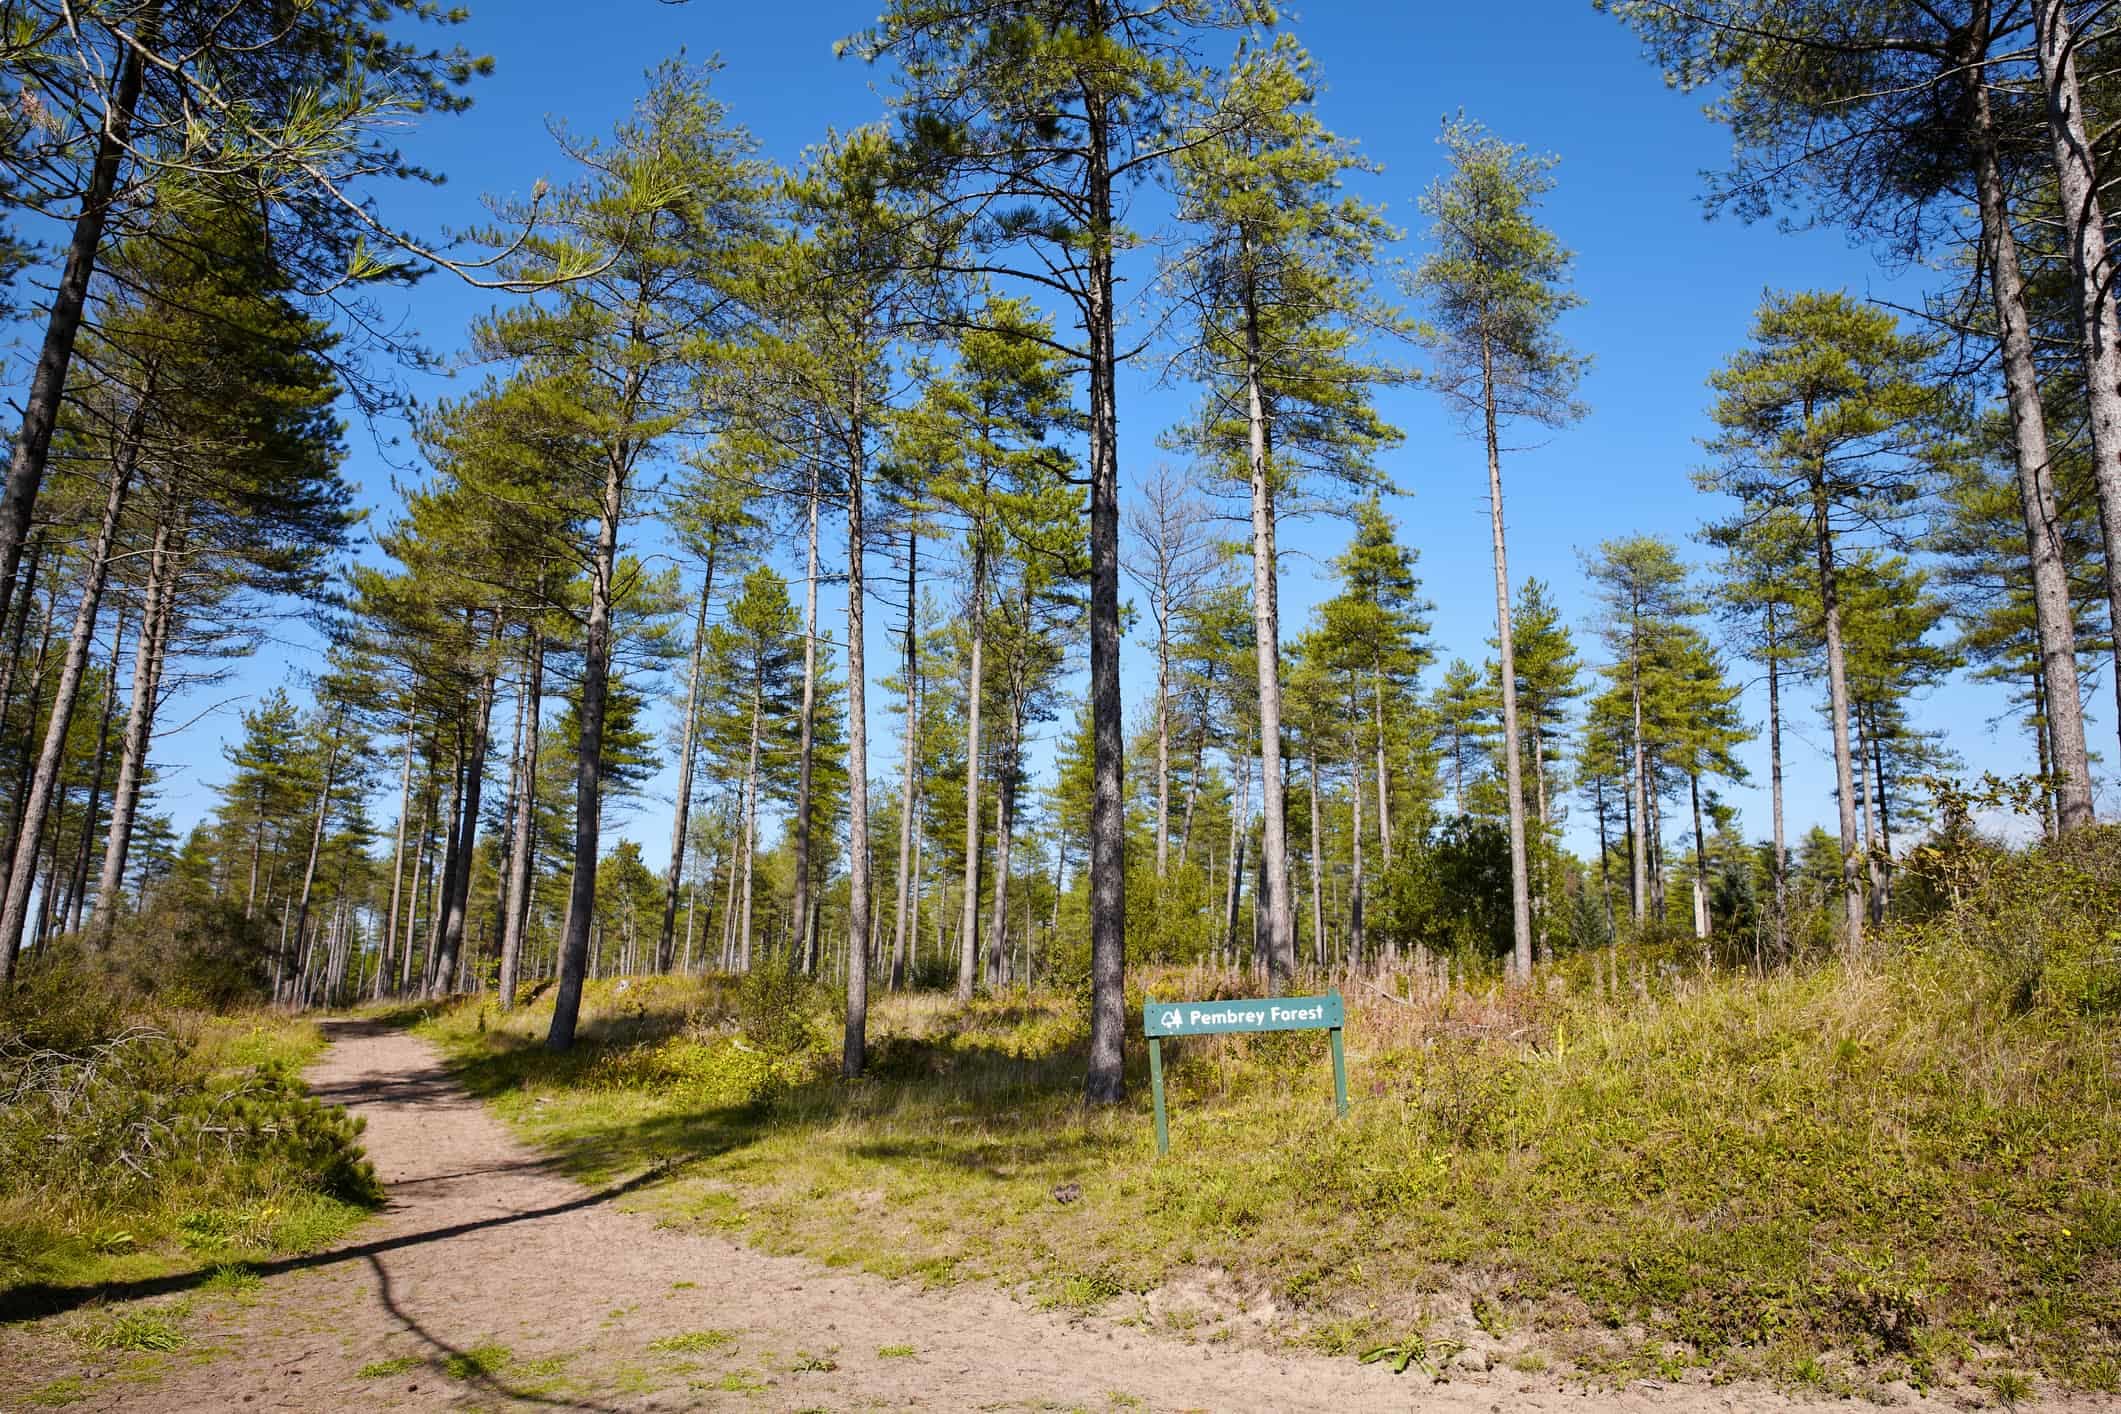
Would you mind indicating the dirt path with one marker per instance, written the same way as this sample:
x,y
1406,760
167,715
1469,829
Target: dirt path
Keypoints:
x,y
482,1249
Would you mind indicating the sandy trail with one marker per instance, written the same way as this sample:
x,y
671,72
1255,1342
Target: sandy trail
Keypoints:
x,y
482,1245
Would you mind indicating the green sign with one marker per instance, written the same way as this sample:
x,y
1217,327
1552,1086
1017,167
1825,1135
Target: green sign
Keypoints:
x,y
1269,1014
1161,1019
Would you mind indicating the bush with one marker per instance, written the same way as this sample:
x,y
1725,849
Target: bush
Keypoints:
x,y
124,1128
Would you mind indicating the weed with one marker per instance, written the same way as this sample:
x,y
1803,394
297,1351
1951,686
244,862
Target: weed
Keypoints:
x,y
153,1328
895,1352
384,1369
806,1363
1414,1350
2010,1387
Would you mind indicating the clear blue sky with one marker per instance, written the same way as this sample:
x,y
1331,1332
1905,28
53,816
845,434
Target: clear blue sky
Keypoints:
x,y
1668,295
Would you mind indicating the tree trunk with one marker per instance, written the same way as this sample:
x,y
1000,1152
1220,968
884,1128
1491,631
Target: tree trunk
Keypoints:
x,y
1240,835
855,1043
1864,723
2051,599
1542,946
687,751
419,864
436,967
1355,937
1701,871
1638,784
1273,887
40,407
1884,883
1163,741
2084,222
975,692
1513,768
904,919
158,610
397,862
1318,849
1384,786
1605,856
316,834
1185,831
1781,863
1838,709
29,840
458,882
751,823
520,862
807,739
1104,1081
77,891
589,762
1004,835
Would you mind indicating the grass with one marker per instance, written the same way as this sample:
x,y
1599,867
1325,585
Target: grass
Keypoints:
x,y
144,1329
895,1352
148,1143
478,1363
1900,1165
692,1342
386,1369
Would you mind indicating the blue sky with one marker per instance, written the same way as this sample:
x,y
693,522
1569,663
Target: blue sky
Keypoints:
x,y
1667,296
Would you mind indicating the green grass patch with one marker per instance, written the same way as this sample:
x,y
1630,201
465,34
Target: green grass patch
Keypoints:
x,y
478,1363
692,1342
385,1369
148,1329
895,1352
57,1394
1899,1162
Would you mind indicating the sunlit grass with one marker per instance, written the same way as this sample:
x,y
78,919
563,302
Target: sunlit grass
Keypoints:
x,y
1874,1170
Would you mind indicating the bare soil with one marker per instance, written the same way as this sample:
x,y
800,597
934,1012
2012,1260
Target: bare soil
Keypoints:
x,y
490,1281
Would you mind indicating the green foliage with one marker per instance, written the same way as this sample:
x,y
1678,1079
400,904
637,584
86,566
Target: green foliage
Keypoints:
x,y
1449,892
128,1135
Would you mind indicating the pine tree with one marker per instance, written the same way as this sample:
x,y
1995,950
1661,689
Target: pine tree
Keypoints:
x,y
1883,118
1494,288
1830,415
1760,586
1644,588
665,210
1275,288
1028,119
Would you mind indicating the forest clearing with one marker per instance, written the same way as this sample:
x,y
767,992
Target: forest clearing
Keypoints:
x,y
1060,703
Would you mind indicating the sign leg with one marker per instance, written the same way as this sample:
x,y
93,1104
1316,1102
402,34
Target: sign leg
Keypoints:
x,y
1156,1083
1340,1076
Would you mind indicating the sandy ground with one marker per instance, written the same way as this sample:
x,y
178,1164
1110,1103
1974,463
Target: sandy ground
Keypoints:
x,y
483,1246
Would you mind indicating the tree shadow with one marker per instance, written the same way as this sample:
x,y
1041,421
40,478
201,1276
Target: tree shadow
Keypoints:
x,y
36,1300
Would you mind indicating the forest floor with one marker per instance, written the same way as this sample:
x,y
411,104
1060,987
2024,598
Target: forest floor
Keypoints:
x,y
491,1280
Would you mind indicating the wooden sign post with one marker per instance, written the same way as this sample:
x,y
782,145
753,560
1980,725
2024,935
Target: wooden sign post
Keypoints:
x,y
1161,1019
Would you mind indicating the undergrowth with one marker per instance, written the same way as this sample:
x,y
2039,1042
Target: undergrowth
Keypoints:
x,y
139,1139
1898,1166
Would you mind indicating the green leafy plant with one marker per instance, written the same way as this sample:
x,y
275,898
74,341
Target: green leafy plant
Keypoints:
x,y
1413,1350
